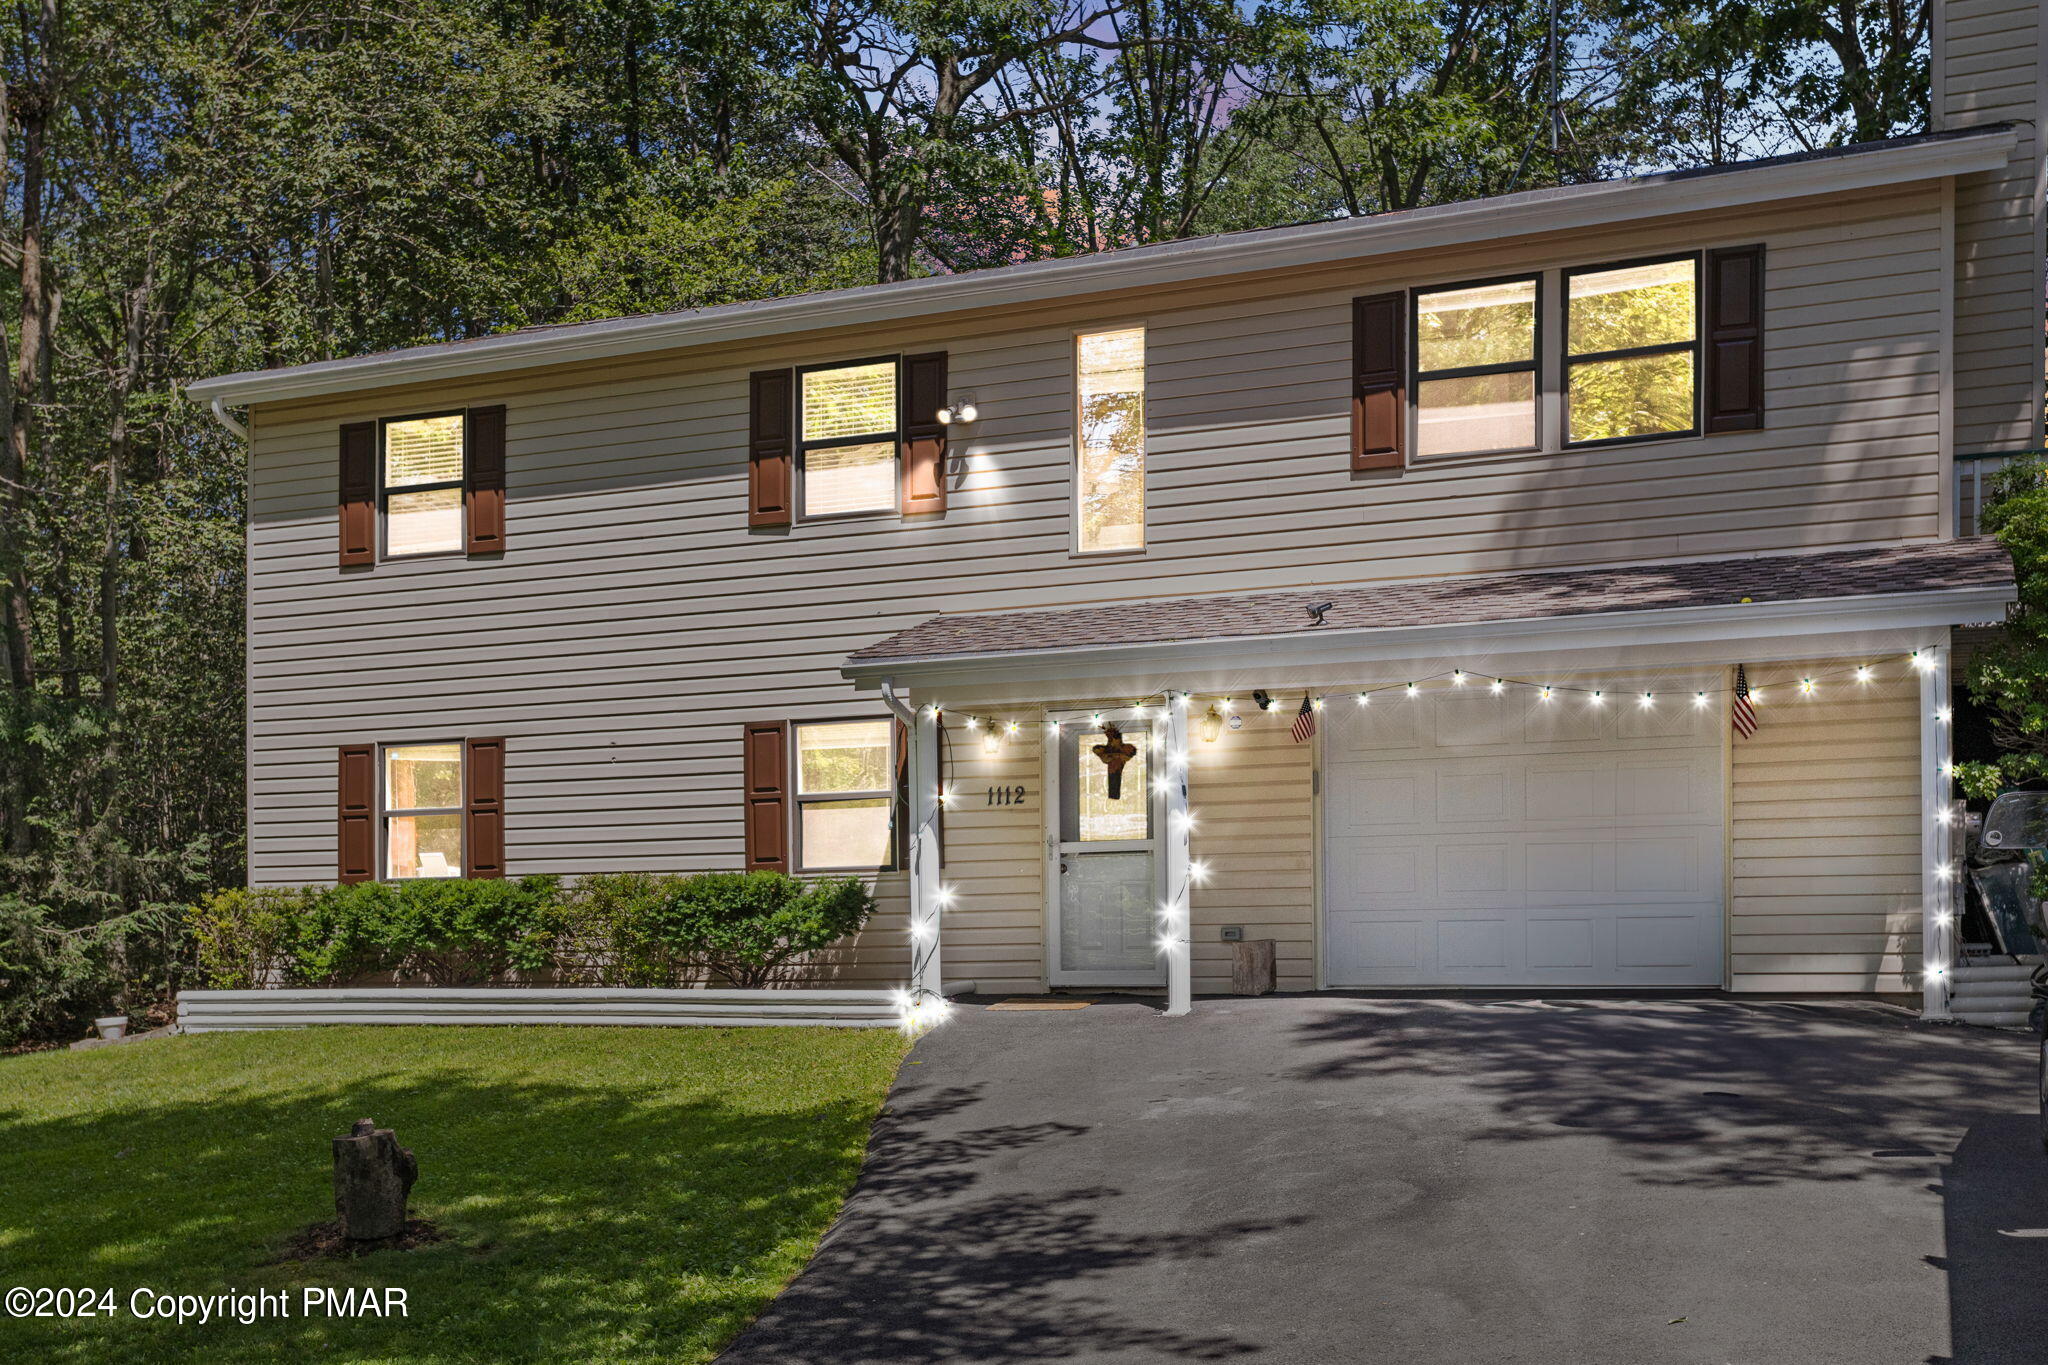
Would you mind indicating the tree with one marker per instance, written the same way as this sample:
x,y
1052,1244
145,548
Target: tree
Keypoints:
x,y
2009,676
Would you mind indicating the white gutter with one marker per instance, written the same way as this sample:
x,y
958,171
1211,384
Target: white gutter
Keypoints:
x,y
220,415
1566,208
1727,622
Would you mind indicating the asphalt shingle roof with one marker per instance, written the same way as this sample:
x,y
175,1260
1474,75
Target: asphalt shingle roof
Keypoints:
x,y
1923,566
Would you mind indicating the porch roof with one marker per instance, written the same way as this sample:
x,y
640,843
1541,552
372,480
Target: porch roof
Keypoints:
x,y
1962,581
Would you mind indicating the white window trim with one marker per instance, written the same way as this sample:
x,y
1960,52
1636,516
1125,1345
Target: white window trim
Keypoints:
x,y
385,810
384,490
800,448
798,800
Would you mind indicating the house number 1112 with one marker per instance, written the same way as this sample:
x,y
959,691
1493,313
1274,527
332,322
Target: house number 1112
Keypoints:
x,y
1006,796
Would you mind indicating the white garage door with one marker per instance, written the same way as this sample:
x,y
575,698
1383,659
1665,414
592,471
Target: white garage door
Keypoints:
x,y
1479,840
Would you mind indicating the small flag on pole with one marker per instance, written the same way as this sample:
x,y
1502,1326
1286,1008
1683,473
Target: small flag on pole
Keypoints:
x,y
1741,714
1304,726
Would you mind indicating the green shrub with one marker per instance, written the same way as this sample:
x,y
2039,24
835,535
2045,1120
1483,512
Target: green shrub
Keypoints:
x,y
452,931
748,926
615,934
245,938
622,929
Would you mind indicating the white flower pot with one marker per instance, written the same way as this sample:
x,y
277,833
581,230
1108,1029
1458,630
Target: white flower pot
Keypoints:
x,y
114,1026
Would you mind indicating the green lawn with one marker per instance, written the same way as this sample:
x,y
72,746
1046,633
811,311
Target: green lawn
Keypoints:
x,y
610,1194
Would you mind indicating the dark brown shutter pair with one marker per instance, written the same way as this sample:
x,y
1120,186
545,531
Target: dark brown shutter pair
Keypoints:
x,y
771,441
1733,387
483,814
483,486
1733,390
764,779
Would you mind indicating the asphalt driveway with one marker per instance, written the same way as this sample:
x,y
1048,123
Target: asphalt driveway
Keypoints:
x,y
1325,1179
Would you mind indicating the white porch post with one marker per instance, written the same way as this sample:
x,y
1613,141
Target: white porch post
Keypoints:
x,y
927,897
1939,871
1176,923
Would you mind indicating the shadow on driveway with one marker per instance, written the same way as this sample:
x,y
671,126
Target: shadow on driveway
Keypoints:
x,y
1325,1178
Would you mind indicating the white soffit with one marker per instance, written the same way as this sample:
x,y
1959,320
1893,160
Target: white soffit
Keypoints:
x,y
1565,208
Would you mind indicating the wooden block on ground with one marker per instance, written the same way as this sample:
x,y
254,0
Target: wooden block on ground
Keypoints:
x,y
1253,969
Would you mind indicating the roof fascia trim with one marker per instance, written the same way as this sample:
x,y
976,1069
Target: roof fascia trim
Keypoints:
x,y
1730,622
1320,243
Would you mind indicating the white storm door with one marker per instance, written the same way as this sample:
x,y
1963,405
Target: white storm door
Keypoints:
x,y
1103,864
1481,840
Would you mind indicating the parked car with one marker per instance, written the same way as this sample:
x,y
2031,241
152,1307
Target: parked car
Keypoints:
x,y
2012,888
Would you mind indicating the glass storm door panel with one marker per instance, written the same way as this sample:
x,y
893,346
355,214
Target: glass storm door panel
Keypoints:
x,y
1106,859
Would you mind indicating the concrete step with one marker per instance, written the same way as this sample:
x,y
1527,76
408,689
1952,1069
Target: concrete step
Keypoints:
x,y
2014,1019
1999,970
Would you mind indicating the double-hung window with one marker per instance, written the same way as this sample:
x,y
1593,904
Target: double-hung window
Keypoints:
x,y
422,810
1109,463
1475,368
845,795
847,429
1632,351
422,483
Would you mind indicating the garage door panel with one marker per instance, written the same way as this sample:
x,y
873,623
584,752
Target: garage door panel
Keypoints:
x,y
1467,945
1656,940
1575,791
1392,871
1477,797
1474,720
1589,856
1465,869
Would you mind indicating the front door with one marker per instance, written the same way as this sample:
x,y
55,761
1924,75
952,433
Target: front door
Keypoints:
x,y
1102,859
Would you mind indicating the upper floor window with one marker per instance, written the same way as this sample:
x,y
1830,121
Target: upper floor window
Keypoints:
x,y
1632,351
422,485
847,430
1109,475
845,795
422,810
1475,368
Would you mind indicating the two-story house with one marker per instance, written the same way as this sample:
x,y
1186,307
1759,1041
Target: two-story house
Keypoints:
x,y
1549,590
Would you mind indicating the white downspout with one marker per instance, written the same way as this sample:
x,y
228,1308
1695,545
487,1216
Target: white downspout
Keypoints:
x,y
220,415
926,1000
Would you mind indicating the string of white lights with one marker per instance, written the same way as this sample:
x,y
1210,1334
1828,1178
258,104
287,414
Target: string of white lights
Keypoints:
x,y
994,730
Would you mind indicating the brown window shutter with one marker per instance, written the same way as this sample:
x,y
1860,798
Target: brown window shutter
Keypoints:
x,y
771,478
356,807
483,488
358,494
483,820
764,780
924,439
1379,381
1734,350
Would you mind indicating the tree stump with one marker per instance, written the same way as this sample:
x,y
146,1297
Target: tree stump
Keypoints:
x,y
373,1176
1253,970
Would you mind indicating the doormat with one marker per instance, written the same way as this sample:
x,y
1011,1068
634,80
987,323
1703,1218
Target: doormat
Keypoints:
x,y
1030,1004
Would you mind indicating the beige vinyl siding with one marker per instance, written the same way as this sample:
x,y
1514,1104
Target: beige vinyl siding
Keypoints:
x,y
635,623
1824,835
1992,64
1251,793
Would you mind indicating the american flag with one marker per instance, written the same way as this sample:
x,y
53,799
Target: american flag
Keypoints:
x,y
1304,726
1741,714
